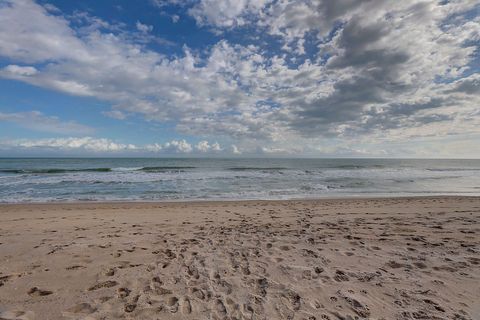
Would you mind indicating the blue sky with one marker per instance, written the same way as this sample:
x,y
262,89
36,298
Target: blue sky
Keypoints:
x,y
240,78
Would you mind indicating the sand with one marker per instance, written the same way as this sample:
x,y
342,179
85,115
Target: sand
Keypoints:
x,y
398,258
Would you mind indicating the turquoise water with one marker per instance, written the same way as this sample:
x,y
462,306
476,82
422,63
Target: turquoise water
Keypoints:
x,y
44,180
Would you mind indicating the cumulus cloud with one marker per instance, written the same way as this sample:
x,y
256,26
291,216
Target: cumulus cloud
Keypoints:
x,y
178,146
204,146
34,120
363,70
84,143
104,145
225,13
182,146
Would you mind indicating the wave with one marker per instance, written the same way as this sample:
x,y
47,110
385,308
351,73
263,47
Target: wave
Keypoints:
x,y
256,168
165,168
357,167
126,169
452,169
119,169
53,170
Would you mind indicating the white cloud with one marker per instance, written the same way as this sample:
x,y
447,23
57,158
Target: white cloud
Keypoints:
x,y
143,27
204,147
182,146
225,13
104,145
37,121
85,143
163,3
20,71
178,146
234,149
31,34
50,7
272,150
453,147
115,114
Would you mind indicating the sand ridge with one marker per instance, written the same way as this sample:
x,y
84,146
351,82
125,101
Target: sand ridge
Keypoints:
x,y
395,258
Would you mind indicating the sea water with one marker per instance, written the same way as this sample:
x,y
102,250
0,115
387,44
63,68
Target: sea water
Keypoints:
x,y
147,179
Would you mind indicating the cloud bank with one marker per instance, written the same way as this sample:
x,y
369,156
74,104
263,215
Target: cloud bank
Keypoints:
x,y
104,146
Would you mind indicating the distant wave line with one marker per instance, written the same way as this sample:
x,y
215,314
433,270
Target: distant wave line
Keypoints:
x,y
54,170
256,168
59,170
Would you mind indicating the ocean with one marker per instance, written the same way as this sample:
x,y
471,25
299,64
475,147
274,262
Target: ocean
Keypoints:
x,y
146,179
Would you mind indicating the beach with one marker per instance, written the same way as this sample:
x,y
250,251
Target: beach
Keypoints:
x,y
346,258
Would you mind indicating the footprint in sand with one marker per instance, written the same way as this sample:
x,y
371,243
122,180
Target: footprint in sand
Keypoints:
x,y
185,306
105,284
132,304
79,309
130,307
110,272
36,292
340,276
123,292
75,267
220,308
197,293
293,298
172,303
4,279
284,312
17,315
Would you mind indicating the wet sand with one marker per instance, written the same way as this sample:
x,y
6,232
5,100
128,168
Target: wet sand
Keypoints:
x,y
396,258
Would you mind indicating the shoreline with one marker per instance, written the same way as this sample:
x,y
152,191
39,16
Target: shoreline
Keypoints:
x,y
210,201
396,258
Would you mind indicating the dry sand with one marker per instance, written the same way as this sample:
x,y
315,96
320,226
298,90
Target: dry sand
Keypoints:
x,y
399,258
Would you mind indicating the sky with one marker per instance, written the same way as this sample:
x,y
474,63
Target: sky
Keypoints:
x,y
237,78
